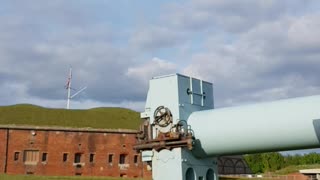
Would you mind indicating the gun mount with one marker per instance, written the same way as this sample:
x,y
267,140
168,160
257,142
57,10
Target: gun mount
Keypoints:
x,y
182,135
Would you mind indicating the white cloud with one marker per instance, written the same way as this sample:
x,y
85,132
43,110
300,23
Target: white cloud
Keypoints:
x,y
16,93
303,32
273,60
228,15
252,50
153,37
155,67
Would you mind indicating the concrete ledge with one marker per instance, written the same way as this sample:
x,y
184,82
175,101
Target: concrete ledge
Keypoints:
x,y
310,171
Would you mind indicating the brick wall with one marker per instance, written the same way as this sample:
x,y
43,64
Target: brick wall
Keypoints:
x,y
92,148
3,140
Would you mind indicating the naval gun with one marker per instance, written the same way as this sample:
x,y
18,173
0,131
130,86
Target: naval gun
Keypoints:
x,y
182,134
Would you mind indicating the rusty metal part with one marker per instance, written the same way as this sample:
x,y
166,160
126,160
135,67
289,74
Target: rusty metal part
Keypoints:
x,y
178,136
162,116
165,143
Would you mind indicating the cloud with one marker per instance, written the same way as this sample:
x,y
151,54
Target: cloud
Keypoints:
x,y
263,65
155,67
228,15
154,37
251,50
303,31
17,93
37,49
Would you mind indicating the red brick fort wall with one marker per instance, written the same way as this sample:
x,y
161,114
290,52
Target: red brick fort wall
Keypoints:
x,y
71,152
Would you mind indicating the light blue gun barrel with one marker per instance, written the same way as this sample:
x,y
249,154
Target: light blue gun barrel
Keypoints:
x,y
273,126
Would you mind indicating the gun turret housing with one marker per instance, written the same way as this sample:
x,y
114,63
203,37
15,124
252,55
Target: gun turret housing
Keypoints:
x,y
182,134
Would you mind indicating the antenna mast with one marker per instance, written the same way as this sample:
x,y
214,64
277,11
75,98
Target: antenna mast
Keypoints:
x,y
68,87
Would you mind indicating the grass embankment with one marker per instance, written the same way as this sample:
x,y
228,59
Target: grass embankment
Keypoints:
x,y
107,118
280,173
293,169
24,177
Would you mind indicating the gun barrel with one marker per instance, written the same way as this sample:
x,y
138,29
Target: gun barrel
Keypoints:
x,y
273,126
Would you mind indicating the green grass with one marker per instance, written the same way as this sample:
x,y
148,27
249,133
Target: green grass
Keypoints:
x,y
32,177
107,118
293,169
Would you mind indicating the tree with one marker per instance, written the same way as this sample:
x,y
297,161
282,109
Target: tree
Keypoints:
x,y
265,162
268,162
254,162
272,161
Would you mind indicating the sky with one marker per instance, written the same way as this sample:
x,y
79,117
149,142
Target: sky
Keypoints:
x,y
252,50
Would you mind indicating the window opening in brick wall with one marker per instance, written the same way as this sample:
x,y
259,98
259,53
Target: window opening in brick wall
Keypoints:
x,y
31,157
77,158
65,157
44,157
91,159
123,175
135,159
110,158
122,159
16,156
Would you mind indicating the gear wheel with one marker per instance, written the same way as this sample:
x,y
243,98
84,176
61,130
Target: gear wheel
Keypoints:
x,y
162,116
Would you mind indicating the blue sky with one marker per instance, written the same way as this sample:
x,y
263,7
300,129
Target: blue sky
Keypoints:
x,y
252,50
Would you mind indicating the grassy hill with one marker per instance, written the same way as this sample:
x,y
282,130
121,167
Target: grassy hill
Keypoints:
x,y
108,118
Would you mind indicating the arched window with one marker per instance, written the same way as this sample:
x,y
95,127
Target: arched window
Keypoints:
x,y
190,174
210,175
